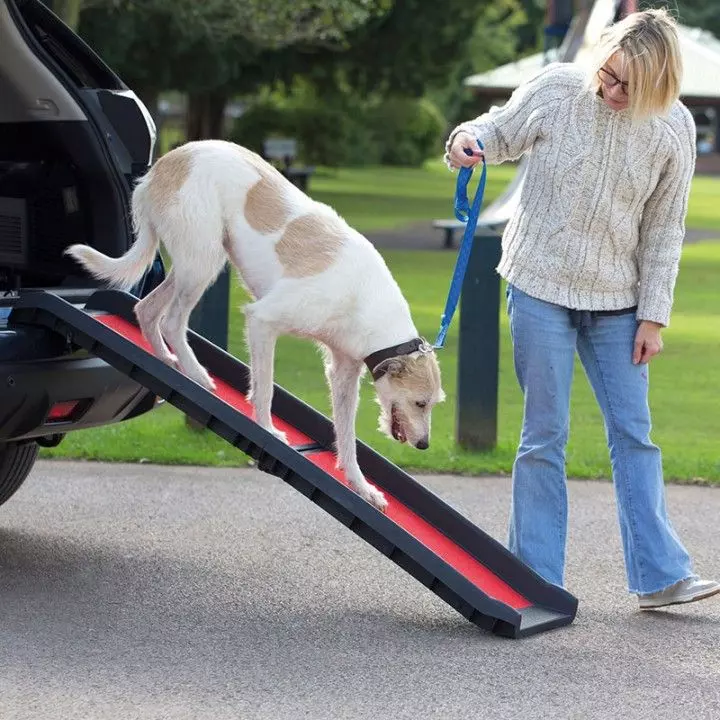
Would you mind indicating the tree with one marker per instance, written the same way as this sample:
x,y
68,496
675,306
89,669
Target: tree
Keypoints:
x,y
212,48
700,13
417,49
407,50
493,42
529,33
278,23
270,22
361,95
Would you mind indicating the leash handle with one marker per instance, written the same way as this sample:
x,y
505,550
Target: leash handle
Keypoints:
x,y
469,214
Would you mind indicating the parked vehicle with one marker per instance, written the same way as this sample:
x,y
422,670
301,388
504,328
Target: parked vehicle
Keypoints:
x,y
73,138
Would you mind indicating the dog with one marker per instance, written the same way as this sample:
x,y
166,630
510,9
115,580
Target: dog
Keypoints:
x,y
308,272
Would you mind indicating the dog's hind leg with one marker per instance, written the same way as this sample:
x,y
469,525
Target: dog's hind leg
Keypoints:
x,y
190,283
261,338
343,375
150,311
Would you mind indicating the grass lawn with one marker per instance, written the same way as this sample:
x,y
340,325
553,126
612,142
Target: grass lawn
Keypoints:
x,y
385,198
685,382
703,210
379,198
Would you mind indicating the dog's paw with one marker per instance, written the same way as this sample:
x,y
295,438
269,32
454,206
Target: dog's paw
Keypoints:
x,y
168,358
280,435
208,383
201,377
374,497
364,489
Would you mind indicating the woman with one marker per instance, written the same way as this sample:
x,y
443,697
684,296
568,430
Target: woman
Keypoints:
x,y
591,257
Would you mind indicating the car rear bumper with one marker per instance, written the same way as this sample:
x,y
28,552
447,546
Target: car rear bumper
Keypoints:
x,y
53,397
48,389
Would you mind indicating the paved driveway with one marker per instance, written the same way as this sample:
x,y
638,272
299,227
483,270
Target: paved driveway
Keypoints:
x,y
162,593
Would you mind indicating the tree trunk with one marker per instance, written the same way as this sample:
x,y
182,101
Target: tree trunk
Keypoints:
x,y
205,115
68,11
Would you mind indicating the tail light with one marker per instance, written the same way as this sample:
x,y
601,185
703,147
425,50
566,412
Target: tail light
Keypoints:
x,y
63,411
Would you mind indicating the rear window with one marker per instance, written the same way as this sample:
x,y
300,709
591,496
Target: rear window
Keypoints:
x,y
71,53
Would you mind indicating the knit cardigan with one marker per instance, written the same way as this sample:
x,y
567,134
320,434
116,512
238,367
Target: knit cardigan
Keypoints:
x,y
601,219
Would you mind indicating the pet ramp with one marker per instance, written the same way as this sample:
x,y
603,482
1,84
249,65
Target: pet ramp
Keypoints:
x,y
460,563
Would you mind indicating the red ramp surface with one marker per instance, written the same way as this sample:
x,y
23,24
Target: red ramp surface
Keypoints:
x,y
464,566
420,529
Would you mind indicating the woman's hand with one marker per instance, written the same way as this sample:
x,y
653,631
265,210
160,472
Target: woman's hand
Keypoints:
x,y
648,342
458,156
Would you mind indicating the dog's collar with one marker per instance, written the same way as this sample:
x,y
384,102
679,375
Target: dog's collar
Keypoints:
x,y
374,360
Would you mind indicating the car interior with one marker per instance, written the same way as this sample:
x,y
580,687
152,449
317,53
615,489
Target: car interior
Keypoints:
x,y
69,132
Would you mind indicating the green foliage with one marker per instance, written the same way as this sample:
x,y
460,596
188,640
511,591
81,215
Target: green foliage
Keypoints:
x,y
407,131
278,23
215,44
493,42
411,48
322,132
264,119
530,32
266,23
700,13
330,135
351,51
343,129
323,129
152,46
494,38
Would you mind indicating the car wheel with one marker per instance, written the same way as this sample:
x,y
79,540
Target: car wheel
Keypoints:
x,y
16,462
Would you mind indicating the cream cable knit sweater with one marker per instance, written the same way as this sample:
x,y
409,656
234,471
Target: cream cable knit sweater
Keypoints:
x,y
601,219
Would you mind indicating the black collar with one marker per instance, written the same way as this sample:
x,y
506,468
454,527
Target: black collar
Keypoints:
x,y
375,359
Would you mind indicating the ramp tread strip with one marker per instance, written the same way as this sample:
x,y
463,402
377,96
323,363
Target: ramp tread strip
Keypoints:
x,y
308,448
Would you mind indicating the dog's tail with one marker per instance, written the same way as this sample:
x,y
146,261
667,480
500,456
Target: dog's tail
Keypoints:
x,y
125,271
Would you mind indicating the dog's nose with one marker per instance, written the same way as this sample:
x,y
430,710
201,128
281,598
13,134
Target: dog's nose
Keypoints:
x,y
423,444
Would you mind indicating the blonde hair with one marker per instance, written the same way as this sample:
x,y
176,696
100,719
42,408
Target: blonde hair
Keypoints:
x,y
649,45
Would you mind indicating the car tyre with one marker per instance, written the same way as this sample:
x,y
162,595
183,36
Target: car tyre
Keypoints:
x,y
16,462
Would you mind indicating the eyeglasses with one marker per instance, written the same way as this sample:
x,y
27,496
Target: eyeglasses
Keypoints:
x,y
611,80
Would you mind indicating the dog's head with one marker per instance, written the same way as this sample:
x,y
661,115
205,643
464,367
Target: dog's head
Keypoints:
x,y
407,391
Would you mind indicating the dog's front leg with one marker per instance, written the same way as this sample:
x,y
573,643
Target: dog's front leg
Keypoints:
x,y
261,339
343,376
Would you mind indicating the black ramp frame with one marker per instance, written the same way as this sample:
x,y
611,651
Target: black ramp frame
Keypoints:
x,y
550,606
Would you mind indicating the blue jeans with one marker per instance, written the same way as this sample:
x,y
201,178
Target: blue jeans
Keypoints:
x,y
544,345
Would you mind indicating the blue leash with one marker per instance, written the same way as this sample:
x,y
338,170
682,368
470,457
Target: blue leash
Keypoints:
x,y
469,215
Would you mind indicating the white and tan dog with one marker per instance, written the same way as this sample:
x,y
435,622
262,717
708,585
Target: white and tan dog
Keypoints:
x,y
310,275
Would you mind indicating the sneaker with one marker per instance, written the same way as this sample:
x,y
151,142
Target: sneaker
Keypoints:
x,y
683,592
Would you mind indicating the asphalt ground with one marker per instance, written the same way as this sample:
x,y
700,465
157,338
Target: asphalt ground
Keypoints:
x,y
138,591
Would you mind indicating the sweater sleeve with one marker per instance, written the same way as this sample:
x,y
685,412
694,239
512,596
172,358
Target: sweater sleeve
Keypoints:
x,y
509,131
662,229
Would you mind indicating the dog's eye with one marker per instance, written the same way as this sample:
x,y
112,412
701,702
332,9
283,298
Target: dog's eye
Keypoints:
x,y
421,403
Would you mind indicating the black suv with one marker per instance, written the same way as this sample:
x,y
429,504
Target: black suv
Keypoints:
x,y
73,138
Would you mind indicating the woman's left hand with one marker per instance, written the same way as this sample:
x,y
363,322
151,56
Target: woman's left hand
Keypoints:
x,y
648,342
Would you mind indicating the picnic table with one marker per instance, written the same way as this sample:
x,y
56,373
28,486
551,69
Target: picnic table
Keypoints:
x,y
449,227
284,152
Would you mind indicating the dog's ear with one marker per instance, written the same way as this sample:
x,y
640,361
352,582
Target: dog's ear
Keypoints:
x,y
394,367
